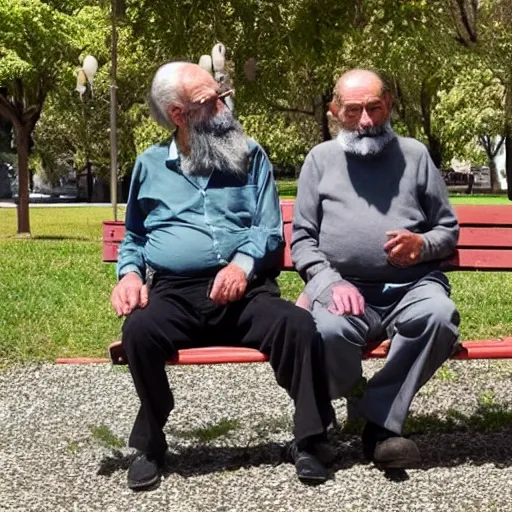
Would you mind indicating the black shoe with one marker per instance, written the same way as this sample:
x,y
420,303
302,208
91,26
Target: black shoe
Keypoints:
x,y
309,469
388,450
145,471
324,452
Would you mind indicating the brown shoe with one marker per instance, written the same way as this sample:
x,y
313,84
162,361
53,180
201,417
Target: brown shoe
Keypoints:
x,y
396,453
388,450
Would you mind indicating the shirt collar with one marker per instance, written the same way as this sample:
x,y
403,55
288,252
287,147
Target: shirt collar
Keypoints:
x,y
173,161
173,150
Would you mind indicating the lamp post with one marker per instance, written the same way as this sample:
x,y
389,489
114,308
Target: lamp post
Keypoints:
x,y
84,83
113,110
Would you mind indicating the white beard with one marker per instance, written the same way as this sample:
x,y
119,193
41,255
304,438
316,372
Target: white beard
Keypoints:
x,y
368,142
216,144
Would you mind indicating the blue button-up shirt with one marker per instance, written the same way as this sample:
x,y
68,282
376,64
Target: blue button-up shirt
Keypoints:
x,y
190,226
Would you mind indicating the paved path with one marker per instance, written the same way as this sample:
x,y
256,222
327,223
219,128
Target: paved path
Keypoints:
x,y
63,430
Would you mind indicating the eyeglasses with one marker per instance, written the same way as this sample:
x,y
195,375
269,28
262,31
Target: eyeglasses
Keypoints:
x,y
355,110
206,104
222,96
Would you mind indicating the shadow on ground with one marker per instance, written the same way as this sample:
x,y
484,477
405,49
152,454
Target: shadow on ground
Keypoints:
x,y
480,438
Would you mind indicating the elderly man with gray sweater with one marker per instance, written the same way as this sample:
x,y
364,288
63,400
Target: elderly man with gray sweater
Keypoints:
x,y
372,222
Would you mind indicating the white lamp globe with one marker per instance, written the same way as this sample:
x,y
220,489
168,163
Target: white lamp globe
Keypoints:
x,y
90,66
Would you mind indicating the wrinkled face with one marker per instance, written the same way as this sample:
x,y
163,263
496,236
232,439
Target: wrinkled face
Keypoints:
x,y
200,95
215,138
360,104
363,110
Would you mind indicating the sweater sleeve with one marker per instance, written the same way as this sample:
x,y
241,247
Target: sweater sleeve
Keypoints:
x,y
441,238
309,260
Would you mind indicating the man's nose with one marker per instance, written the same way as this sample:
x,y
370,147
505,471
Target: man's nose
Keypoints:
x,y
365,119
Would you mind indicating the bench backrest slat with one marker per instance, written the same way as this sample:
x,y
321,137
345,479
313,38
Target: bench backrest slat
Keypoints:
x,y
484,215
481,259
485,239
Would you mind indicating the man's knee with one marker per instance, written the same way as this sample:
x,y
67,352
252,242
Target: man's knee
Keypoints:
x,y
300,321
444,314
342,343
138,332
438,314
335,329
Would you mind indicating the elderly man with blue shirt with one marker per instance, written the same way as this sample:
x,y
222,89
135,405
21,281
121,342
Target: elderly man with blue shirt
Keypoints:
x,y
198,267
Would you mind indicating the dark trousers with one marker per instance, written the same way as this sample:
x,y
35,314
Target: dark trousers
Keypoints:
x,y
180,315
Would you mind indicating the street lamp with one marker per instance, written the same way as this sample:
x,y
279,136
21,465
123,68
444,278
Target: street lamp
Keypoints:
x,y
86,74
215,64
85,79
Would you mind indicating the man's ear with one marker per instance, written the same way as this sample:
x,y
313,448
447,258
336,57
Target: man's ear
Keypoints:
x,y
176,115
334,108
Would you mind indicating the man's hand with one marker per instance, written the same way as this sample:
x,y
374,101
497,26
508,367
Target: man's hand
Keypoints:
x,y
403,247
128,294
229,285
346,299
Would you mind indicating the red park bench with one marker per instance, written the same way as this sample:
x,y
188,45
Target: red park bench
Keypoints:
x,y
485,244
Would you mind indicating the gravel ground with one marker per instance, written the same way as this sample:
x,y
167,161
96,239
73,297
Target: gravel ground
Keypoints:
x,y
63,431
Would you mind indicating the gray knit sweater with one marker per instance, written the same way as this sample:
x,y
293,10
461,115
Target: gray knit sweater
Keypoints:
x,y
346,203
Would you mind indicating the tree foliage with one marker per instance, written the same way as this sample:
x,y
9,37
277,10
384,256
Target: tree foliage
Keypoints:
x,y
446,62
36,41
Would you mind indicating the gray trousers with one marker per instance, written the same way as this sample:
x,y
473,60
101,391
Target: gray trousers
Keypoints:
x,y
422,326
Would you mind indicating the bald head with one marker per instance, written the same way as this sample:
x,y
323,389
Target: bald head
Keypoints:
x,y
359,79
361,100
174,85
362,107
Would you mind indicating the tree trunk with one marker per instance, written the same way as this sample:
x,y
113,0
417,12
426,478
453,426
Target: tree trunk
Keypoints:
x,y
493,176
435,148
88,166
22,137
508,138
326,134
113,110
508,157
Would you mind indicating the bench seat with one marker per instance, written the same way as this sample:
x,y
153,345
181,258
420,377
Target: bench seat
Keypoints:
x,y
485,244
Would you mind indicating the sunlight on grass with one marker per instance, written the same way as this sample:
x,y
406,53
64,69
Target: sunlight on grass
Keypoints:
x,y
104,435
55,290
59,223
288,189
480,199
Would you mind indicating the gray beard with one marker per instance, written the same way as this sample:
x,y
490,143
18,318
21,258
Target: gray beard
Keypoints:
x,y
368,142
216,144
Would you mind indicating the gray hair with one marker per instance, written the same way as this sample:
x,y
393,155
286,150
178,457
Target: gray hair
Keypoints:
x,y
165,92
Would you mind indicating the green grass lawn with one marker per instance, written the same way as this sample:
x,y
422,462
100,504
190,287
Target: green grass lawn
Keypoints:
x,y
288,189
55,290
480,199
